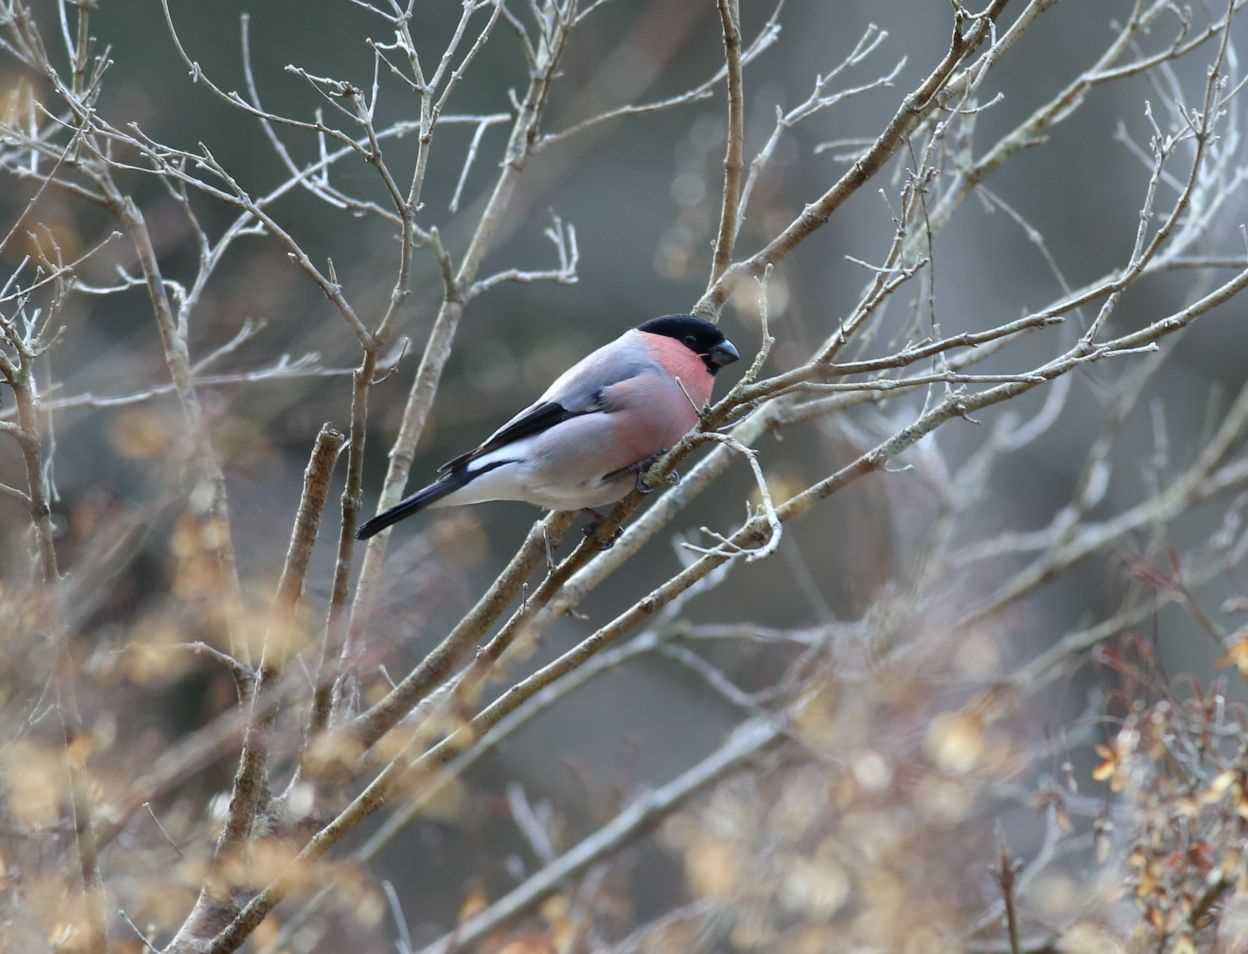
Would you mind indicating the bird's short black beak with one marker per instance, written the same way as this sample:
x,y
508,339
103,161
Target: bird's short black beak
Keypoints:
x,y
723,353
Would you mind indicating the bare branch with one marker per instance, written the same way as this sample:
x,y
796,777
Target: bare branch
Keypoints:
x,y
914,108
766,38
250,785
438,347
249,780
746,742
734,163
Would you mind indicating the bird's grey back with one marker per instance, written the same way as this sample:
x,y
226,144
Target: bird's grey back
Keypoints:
x,y
578,387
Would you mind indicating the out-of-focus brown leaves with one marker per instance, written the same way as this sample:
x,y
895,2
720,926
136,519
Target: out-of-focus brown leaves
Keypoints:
x,y
460,538
58,912
531,942
715,867
56,226
1178,767
23,612
151,657
955,742
782,484
1111,768
815,887
242,441
1087,937
270,859
34,782
143,433
164,903
447,803
331,755
193,546
1237,655
851,842
474,902
557,929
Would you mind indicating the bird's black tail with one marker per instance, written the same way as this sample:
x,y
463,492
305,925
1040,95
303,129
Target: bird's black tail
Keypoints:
x,y
445,485
414,504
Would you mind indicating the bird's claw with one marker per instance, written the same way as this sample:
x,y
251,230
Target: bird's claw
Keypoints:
x,y
644,465
591,530
609,542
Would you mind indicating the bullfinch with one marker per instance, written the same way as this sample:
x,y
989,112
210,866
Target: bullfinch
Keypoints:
x,y
583,443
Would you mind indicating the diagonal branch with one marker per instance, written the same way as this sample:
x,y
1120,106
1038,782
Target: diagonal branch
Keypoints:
x,y
748,740
913,110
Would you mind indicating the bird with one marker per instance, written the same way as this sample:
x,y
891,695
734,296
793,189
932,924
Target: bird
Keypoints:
x,y
585,442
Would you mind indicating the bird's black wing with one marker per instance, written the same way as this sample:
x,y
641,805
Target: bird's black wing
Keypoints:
x,y
582,389
533,420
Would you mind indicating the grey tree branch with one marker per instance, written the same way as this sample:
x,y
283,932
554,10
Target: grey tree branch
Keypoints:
x,y
84,826
250,786
914,108
438,347
766,38
746,742
27,433
203,457
734,162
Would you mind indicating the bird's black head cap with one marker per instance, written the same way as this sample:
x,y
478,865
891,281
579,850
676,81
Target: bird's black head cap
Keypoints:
x,y
698,335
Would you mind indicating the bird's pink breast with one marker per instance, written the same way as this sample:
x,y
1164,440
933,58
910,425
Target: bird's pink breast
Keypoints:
x,y
682,363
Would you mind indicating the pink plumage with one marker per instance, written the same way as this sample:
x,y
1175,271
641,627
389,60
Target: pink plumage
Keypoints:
x,y
683,365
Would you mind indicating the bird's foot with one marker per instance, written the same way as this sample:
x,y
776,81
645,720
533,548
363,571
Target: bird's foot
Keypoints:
x,y
592,529
672,479
639,470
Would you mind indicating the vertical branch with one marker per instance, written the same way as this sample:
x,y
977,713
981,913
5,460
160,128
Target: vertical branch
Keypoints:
x,y
438,348
249,789
203,458
20,378
82,46
303,534
27,435
1007,871
734,164
352,498
249,779
19,374
84,834
339,640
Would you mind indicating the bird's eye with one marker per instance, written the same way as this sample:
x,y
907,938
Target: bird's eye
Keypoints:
x,y
690,340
